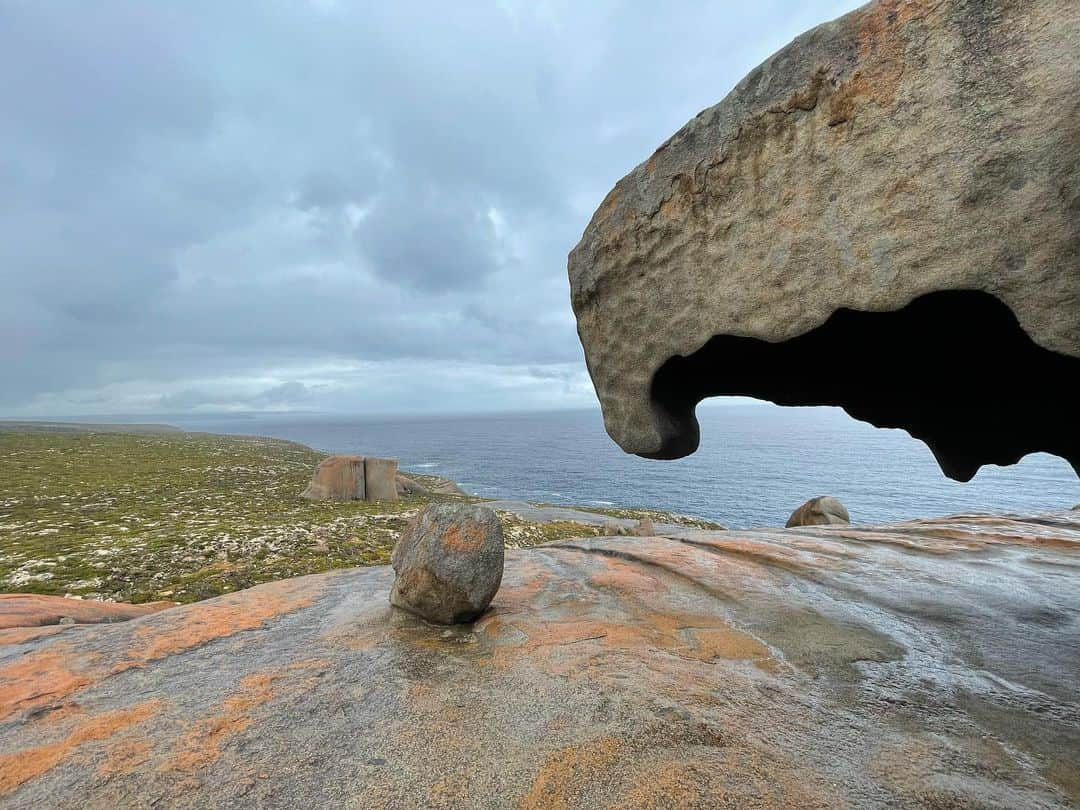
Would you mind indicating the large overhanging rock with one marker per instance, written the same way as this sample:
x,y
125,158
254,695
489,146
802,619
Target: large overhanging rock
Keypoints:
x,y
884,216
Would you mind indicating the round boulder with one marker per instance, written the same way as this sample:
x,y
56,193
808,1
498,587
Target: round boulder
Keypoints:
x,y
449,563
820,511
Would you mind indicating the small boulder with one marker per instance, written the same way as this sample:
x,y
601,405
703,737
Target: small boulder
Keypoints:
x,y
338,478
820,511
449,563
380,479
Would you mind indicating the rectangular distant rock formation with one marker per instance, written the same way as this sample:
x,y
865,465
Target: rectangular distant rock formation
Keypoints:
x,y
380,478
353,478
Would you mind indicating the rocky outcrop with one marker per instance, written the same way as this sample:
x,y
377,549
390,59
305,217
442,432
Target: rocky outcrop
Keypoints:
x,y
407,486
338,478
764,668
36,610
380,479
885,216
444,486
611,528
821,511
449,563
432,485
354,478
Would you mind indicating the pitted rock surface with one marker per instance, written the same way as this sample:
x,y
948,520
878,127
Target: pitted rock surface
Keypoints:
x,y
449,563
820,511
925,663
909,148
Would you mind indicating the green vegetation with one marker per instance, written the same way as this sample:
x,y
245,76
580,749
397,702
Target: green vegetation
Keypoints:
x,y
655,515
186,516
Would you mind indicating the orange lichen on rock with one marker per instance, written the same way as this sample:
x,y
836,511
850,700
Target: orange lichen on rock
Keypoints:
x,y
964,533
20,635
194,625
37,679
977,532
35,610
712,643
625,577
609,202
669,784
638,632
620,609
876,73
30,763
202,744
781,554
44,676
464,538
520,586
564,773
126,756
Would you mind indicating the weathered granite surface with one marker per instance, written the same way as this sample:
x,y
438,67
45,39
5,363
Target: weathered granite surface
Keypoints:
x,y
337,478
921,153
356,478
380,479
926,663
448,563
546,513
28,615
819,511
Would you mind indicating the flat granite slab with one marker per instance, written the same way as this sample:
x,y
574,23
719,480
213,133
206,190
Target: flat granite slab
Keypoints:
x,y
927,663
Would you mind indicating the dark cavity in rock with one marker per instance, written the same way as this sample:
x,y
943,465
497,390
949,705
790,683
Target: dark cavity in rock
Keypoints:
x,y
953,368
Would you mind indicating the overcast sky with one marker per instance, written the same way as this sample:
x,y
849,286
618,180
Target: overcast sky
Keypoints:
x,y
354,207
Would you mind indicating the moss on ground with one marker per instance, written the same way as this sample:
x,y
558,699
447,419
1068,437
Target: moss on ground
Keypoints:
x,y
187,516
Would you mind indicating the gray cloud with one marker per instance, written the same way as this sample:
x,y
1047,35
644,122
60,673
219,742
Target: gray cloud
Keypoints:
x,y
326,204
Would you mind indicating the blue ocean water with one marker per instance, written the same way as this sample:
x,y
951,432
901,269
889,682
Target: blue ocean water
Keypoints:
x,y
757,462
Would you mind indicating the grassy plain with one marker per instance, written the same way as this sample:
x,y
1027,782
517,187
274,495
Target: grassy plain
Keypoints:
x,y
185,516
